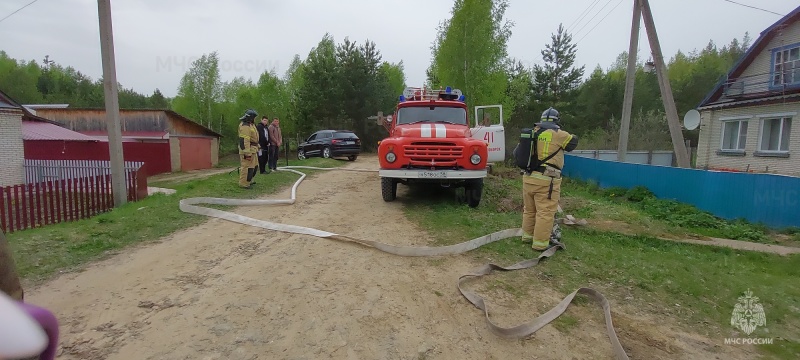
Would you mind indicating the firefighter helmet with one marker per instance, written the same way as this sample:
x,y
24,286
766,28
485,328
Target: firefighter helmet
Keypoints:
x,y
249,116
551,115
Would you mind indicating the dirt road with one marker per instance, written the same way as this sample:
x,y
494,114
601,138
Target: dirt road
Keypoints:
x,y
227,291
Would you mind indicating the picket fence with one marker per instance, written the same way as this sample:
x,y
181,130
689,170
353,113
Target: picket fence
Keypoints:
x,y
69,194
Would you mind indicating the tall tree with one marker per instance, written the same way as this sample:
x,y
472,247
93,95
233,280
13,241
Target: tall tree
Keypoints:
x,y
158,101
395,75
293,78
200,88
320,88
470,53
558,77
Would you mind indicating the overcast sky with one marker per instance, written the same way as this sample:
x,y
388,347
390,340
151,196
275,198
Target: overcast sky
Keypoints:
x,y
156,40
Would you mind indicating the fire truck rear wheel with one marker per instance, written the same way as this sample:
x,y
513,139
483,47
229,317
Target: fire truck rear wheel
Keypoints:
x,y
473,191
388,188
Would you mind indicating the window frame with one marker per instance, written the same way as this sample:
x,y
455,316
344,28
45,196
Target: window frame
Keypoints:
x,y
772,73
762,121
742,122
733,152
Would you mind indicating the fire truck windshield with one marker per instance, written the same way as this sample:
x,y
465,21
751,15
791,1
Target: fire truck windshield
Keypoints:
x,y
413,115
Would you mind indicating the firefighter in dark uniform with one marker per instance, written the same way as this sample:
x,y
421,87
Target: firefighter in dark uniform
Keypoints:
x,y
248,149
541,186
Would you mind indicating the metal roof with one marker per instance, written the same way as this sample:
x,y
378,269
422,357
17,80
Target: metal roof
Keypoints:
x,y
5,105
748,57
46,106
129,135
92,113
7,102
757,101
34,130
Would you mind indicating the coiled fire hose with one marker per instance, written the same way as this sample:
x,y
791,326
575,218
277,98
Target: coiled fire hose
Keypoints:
x,y
521,331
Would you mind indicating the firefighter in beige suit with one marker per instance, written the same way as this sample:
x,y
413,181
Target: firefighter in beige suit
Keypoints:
x,y
541,185
248,149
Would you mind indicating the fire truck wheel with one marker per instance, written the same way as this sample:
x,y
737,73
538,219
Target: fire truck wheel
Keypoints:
x,y
473,191
388,189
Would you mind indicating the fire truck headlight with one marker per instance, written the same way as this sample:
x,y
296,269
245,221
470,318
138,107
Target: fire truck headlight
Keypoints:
x,y
391,157
475,159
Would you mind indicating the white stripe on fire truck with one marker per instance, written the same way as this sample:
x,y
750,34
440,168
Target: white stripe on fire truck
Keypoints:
x,y
441,131
425,130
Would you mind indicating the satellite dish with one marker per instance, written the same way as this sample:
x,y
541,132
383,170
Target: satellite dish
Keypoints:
x,y
691,120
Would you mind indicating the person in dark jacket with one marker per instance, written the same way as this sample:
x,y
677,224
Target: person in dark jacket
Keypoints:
x,y
263,140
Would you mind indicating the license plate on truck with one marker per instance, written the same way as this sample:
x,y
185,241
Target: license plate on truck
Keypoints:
x,y
433,174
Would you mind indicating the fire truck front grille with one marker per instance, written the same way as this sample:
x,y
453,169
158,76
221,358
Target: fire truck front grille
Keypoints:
x,y
436,151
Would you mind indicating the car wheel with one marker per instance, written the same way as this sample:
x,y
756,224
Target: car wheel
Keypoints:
x,y
388,188
301,154
352,157
473,191
326,152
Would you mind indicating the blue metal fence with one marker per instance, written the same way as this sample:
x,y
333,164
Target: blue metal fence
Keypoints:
x,y
773,200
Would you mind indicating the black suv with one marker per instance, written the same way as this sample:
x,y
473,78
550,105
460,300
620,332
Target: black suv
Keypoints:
x,y
329,144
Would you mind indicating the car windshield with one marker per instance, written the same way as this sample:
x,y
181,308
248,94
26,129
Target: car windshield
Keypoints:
x,y
412,115
344,135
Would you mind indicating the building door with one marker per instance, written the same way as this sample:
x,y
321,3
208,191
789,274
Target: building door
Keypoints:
x,y
195,153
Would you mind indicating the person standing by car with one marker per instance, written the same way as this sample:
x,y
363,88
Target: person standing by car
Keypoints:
x,y
263,141
275,142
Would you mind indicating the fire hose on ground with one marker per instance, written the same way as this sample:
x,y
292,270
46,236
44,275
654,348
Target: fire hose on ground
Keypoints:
x,y
517,332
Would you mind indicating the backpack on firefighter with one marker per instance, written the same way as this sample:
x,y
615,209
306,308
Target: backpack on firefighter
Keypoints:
x,y
526,154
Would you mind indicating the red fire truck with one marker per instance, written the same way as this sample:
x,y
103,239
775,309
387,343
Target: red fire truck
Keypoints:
x,y
430,141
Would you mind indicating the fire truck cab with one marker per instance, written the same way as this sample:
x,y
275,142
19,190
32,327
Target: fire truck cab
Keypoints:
x,y
430,141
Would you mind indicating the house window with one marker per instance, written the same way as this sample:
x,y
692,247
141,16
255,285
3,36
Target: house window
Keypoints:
x,y
786,66
734,135
775,134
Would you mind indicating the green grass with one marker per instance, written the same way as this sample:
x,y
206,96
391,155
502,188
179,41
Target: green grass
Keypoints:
x,y
43,252
678,216
705,282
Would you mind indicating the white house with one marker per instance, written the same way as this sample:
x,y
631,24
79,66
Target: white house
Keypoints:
x,y
749,122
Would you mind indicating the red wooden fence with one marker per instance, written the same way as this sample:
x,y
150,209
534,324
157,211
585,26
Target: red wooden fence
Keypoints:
x,y
33,205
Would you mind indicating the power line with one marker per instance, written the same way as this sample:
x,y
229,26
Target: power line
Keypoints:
x,y
753,7
601,20
595,15
18,10
583,14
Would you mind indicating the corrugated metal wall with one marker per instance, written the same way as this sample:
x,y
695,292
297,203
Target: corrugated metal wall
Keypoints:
x,y
38,171
156,155
773,200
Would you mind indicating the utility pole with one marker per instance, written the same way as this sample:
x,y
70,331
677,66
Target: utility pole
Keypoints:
x,y
630,79
112,104
682,157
